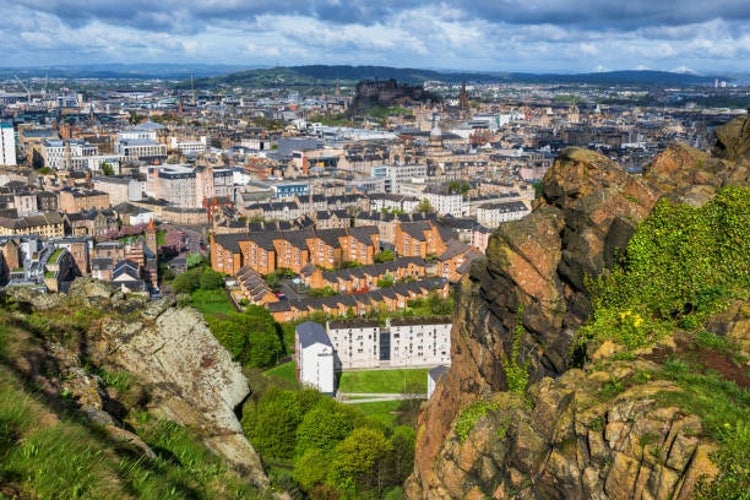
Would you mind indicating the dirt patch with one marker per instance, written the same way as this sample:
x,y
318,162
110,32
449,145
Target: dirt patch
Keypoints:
x,y
719,362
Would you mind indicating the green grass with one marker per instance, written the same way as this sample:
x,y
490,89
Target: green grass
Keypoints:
x,y
384,412
384,381
65,457
285,372
212,302
723,408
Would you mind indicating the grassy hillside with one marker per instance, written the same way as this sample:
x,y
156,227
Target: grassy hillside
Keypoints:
x,y
49,450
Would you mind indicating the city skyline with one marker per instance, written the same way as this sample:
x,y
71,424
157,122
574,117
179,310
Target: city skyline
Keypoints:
x,y
543,36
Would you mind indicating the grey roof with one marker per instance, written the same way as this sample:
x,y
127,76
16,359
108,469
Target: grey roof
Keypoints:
x,y
311,333
437,372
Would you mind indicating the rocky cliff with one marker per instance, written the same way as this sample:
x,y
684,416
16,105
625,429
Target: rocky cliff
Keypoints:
x,y
567,437
181,371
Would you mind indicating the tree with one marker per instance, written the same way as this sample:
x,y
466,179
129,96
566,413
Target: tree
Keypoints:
x,y
360,462
188,281
385,256
425,206
323,427
107,169
211,280
271,423
401,458
312,468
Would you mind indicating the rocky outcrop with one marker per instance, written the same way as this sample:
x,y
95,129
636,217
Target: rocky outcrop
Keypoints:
x,y
532,285
528,298
572,439
183,373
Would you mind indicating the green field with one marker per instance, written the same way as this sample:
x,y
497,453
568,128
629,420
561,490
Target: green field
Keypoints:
x,y
285,372
212,301
383,411
397,381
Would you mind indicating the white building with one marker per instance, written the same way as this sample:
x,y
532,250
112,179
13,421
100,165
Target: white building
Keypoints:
x,y
396,175
7,144
492,215
445,204
178,185
68,154
189,147
314,356
420,341
356,343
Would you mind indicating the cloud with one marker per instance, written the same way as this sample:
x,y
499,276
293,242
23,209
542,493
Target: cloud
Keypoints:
x,y
508,35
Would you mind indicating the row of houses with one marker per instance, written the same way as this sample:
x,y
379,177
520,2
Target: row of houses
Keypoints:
x,y
382,299
265,251
320,351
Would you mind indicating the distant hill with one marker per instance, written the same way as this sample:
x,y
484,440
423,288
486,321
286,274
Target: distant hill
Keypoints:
x,y
210,75
332,75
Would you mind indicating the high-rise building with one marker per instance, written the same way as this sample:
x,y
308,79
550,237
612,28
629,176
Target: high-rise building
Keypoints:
x,y
7,144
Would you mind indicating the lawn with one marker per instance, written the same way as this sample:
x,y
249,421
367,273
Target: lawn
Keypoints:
x,y
285,371
212,301
396,381
382,411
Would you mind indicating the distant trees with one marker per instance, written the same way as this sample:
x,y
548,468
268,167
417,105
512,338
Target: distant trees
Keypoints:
x,y
385,256
107,169
425,206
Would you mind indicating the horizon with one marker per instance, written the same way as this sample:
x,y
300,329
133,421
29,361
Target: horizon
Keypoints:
x,y
544,37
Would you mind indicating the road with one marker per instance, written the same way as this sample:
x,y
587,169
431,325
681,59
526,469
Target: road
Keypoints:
x,y
353,398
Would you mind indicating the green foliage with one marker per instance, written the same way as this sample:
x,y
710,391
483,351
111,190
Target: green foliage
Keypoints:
x,y
516,373
324,426
326,291
425,206
193,260
723,408
733,481
312,468
67,459
107,169
271,423
458,187
681,265
285,371
385,256
274,278
360,462
211,280
386,282
468,418
251,337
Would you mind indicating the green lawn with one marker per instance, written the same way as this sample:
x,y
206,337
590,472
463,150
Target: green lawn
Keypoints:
x,y
384,381
384,411
212,301
285,371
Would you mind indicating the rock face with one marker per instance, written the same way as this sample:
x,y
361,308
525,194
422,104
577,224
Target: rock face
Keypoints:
x,y
576,442
529,293
532,285
186,375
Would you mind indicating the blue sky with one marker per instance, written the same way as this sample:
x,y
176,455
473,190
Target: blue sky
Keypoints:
x,y
493,35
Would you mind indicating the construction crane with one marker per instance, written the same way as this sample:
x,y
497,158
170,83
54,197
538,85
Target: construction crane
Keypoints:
x,y
28,92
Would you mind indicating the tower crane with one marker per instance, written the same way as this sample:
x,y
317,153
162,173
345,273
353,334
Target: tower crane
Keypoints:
x,y
28,92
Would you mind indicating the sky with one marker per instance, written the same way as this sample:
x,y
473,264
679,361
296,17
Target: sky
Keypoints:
x,y
539,36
